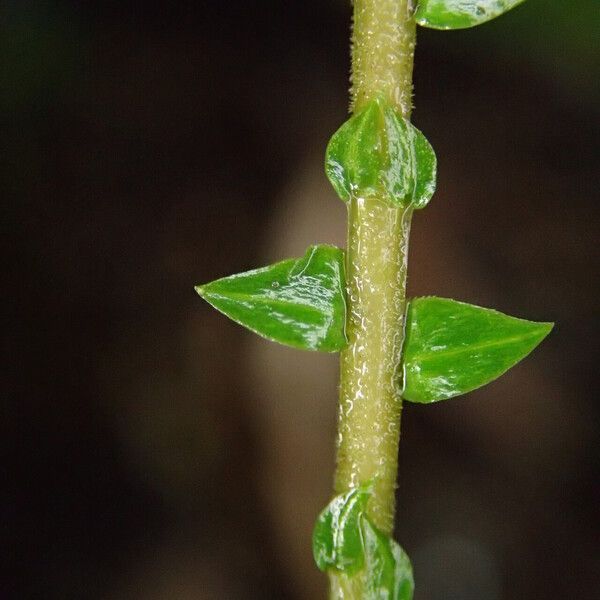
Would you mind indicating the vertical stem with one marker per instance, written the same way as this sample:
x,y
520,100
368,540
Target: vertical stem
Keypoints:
x,y
383,47
371,378
370,401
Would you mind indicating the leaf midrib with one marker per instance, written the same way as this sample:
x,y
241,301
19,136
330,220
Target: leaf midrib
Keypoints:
x,y
424,356
260,300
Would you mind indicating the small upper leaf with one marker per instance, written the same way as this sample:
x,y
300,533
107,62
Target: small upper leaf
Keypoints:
x,y
460,14
377,151
452,348
297,302
337,542
354,155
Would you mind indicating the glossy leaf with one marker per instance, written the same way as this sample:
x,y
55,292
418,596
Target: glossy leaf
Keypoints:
x,y
452,347
388,572
460,14
378,152
346,542
337,542
297,302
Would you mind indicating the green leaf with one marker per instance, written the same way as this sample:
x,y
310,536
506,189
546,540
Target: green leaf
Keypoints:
x,y
452,348
297,302
460,14
337,542
388,572
378,152
353,158
347,543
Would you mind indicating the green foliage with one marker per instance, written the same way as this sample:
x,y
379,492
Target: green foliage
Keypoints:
x,y
452,348
297,302
378,152
460,14
346,542
388,572
337,542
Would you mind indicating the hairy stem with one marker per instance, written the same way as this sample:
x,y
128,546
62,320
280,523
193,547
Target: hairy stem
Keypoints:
x,y
378,232
370,403
383,47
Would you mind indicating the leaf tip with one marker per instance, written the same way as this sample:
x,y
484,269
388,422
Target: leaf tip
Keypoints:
x,y
544,328
453,347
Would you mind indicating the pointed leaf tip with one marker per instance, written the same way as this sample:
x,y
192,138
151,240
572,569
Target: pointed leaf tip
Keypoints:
x,y
452,347
297,302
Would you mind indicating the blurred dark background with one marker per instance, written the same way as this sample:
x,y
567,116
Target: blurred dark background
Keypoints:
x,y
154,450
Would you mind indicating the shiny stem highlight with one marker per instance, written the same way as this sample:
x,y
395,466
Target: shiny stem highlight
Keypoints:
x,y
378,232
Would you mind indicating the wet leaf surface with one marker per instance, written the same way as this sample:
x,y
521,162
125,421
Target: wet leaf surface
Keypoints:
x,y
452,347
460,14
297,302
347,543
378,153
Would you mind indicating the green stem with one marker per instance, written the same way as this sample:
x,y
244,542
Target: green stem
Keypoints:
x,y
370,402
383,47
378,232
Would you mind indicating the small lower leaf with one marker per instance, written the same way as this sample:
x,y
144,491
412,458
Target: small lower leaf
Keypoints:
x,y
297,302
452,347
388,572
460,14
337,542
346,543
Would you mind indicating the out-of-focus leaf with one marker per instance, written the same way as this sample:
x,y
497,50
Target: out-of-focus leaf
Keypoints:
x,y
297,302
460,14
378,152
337,542
388,572
348,544
452,347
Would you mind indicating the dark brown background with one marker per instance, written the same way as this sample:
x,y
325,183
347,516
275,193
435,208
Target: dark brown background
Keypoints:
x,y
156,451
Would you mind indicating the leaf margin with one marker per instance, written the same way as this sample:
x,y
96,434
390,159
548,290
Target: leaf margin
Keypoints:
x,y
334,341
411,370
434,15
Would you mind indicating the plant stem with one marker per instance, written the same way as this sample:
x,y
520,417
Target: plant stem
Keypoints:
x,y
370,402
383,47
378,232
